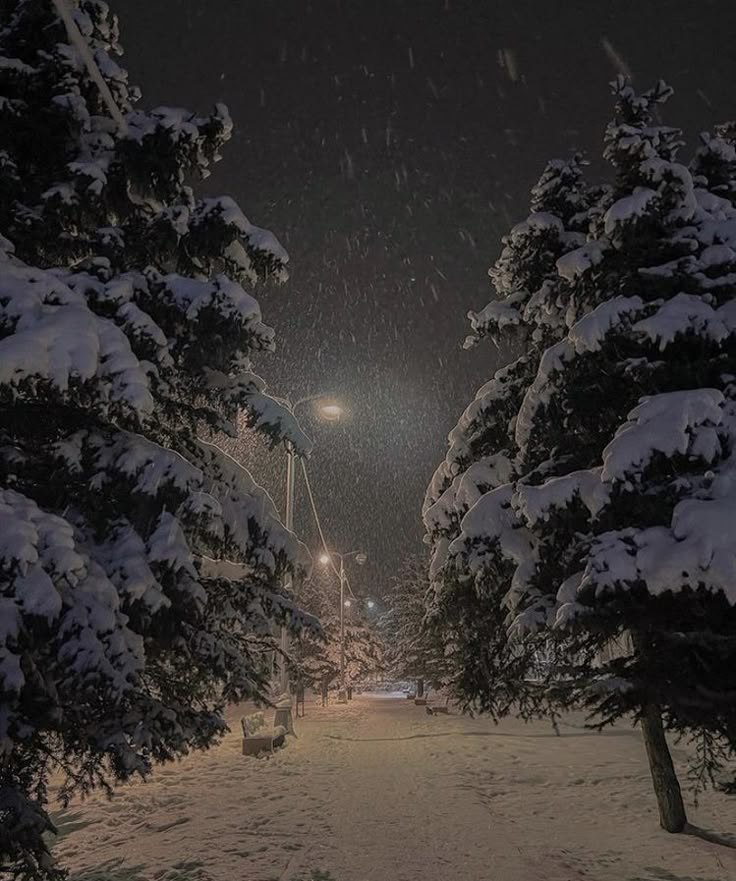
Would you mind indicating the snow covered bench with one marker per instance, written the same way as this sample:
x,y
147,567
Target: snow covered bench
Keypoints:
x,y
438,710
256,737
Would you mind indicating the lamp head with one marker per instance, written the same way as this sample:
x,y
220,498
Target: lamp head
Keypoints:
x,y
330,412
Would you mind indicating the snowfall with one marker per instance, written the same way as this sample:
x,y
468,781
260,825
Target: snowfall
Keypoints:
x,y
378,790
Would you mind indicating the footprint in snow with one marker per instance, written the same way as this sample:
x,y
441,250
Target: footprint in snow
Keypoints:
x,y
166,826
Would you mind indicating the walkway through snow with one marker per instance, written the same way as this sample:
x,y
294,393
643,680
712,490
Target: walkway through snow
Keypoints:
x,y
380,791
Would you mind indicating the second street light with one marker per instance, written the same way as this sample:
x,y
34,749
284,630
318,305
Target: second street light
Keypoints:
x,y
330,412
360,559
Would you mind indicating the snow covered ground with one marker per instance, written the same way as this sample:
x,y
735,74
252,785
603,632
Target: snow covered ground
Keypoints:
x,y
380,791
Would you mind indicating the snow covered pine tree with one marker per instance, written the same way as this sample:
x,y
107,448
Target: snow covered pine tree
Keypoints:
x,y
589,497
414,651
491,673
139,565
318,655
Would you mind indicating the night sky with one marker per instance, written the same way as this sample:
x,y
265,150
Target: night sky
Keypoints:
x,y
389,144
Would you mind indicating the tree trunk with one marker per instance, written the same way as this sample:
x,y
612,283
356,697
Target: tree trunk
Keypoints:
x,y
666,787
420,688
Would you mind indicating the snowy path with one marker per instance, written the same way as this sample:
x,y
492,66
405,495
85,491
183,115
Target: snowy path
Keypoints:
x,y
379,791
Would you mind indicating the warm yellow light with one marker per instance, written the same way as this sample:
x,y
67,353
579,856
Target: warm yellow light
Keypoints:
x,y
331,412
324,559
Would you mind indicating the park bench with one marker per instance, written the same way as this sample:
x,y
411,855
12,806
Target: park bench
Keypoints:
x,y
257,737
438,710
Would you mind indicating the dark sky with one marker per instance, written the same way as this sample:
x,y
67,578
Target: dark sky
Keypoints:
x,y
389,144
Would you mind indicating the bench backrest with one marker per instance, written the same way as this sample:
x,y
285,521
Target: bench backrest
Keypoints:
x,y
251,724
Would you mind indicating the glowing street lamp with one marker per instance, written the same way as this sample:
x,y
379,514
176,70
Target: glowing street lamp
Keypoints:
x,y
330,412
360,559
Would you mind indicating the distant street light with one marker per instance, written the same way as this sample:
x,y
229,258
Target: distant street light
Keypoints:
x,y
370,604
360,559
331,413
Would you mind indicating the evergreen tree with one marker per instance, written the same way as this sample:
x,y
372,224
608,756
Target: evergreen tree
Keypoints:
x,y
616,520
318,655
414,651
481,461
140,566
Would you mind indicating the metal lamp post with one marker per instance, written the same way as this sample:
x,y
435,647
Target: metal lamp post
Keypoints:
x,y
330,412
341,692
289,524
360,559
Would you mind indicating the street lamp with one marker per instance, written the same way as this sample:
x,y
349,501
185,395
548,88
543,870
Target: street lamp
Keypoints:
x,y
331,412
360,559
